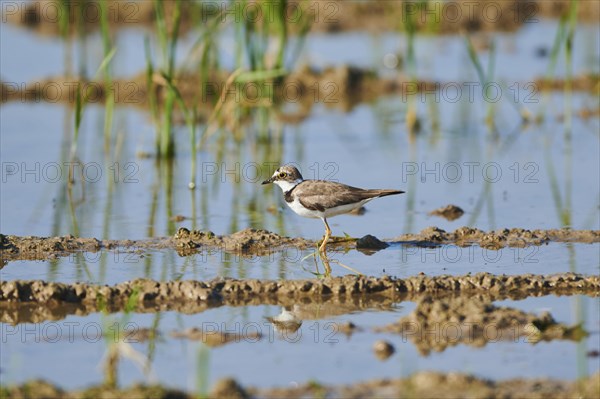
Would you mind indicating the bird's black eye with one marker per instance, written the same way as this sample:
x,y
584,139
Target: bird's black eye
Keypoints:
x,y
282,175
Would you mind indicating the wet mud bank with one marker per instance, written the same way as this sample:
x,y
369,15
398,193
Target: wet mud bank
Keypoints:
x,y
256,242
250,242
24,301
515,237
473,320
422,384
332,16
39,248
339,87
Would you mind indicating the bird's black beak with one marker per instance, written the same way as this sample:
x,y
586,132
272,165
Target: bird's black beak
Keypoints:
x,y
268,181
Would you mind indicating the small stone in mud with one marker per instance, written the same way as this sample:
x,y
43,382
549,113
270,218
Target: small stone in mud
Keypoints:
x,y
371,242
449,212
272,209
178,218
228,388
383,349
139,335
144,155
347,328
182,232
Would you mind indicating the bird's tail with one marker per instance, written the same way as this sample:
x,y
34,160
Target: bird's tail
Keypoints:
x,y
383,193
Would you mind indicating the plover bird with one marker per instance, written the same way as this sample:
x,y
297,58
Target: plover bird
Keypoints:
x,y
321,199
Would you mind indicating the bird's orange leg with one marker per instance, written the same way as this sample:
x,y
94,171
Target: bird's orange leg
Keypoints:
x,y
322,248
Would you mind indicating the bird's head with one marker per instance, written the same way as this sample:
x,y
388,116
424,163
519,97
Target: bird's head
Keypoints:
x,y
286,177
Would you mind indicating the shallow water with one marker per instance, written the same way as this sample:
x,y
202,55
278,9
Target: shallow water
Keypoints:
x,y
398,260
519,50
311,353
510,187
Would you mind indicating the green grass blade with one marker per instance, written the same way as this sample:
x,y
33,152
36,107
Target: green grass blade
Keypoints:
x,y
105,62
78,109
475,60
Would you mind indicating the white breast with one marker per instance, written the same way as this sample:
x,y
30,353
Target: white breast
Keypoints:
x,y
302,211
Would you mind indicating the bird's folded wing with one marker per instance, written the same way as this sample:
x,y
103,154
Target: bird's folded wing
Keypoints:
x,y
319,195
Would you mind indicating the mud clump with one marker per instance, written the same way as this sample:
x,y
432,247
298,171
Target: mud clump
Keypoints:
x,y
333,16
187,242
448,212
383,349
421,384
515,237
41,17
193,296
348,328
260,242
218,289
39,248
439,323
352,85
41,389
584,83
229,388
245,242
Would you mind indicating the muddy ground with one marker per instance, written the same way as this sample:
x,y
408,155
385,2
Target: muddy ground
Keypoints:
x,y
286,292
464,302
255,242
463,305
341,87
422,384
475,321
515,237
37,300
318,16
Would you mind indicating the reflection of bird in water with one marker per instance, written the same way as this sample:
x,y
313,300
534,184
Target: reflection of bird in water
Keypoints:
x,y
286,322
291,317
